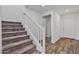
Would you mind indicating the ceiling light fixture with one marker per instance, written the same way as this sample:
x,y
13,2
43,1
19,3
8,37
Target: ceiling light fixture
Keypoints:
x,y
66,10
43,5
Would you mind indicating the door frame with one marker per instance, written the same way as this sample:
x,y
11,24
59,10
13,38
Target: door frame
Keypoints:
x,y
44,24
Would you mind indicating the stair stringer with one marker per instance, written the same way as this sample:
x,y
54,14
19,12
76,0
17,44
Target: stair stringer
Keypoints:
x,y
0,37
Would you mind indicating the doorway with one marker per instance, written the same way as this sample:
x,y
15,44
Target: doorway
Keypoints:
x,y
47,19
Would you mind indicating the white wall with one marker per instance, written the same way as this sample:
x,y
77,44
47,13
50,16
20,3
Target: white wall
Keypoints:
x,y
0,34
66,25
16,12
56,26
37,17
11,12
77,27
70,25
0,10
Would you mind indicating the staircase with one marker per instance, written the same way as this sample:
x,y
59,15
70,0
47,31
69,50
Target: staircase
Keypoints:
x,y
15,39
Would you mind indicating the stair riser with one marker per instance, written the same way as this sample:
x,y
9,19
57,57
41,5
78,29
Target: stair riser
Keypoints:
x,y
14,40
13,34
17,47
7,22
11,30
30,51
11,26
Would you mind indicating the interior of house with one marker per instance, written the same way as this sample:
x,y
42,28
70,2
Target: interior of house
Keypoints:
x,y
39,29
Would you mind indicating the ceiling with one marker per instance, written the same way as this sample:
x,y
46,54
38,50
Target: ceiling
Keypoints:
x,y
61,9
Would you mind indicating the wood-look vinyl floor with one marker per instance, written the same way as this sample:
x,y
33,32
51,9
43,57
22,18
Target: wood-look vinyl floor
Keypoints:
x,y
62,46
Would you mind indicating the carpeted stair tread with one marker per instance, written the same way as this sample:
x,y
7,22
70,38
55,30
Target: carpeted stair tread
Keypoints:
x,y
8,38
22,50
15,44
12,32
4,35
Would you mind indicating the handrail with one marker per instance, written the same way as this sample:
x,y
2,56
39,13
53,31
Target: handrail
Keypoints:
x,y
35,22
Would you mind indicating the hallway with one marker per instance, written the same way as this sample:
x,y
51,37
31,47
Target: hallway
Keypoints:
x,y
63,46
36,24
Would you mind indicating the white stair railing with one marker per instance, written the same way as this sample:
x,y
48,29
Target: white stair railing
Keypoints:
x,y
37,31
